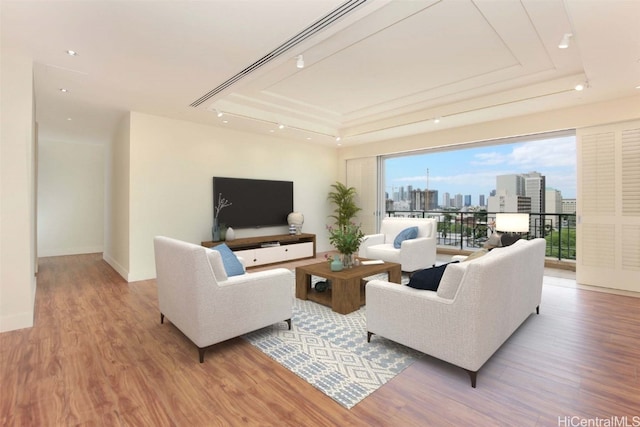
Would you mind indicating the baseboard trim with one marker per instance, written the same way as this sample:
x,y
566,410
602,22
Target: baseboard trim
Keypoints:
x,y
42,253
116,266
13,322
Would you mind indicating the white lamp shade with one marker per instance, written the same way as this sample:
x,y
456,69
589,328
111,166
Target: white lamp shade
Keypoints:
x,y
295,218
512,222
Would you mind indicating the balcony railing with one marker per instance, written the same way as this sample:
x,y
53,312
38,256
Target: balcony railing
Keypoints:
x,y
469,230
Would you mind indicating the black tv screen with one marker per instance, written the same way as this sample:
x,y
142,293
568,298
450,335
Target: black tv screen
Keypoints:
x,y
254,202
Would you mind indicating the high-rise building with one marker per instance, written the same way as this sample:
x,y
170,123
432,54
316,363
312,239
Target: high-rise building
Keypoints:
x,y
481,201
535,188
503,202
431,200
467,200
510,185
446,200
569,206
530,184
553,204
457,201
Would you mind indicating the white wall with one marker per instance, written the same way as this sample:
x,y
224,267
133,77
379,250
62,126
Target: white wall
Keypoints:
x,y
172,163
70,198
17,192
117,183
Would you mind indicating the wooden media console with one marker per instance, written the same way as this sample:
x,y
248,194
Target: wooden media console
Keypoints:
x,y
261,250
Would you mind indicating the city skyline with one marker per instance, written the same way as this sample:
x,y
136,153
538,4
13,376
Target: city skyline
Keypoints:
x,y
473,171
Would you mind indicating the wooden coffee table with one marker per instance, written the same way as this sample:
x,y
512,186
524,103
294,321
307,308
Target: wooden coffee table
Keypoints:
x,y
347,291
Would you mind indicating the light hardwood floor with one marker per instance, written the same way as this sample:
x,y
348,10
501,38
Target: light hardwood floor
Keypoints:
x,y
98,355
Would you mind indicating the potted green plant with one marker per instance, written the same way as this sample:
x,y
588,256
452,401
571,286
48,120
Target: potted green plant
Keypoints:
x,y
347,241
345,235
343,198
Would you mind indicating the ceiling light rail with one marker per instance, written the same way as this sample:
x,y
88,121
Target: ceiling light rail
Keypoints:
x,y
311,30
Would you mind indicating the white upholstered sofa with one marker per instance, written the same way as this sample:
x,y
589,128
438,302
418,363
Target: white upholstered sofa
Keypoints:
x,y
196,295
477,306
413,254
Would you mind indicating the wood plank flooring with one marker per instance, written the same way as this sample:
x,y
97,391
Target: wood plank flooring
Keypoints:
x,y
98,355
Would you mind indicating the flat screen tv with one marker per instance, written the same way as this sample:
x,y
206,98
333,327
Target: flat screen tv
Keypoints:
x,y
254,202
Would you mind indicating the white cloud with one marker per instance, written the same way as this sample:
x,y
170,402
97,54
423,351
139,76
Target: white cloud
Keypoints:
x,y
489,159
550,153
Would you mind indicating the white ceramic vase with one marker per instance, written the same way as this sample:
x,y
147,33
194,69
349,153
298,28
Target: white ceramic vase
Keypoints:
x,y
231,234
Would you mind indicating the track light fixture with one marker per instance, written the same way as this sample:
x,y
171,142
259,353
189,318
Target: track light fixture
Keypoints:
x,y
581,86
564,43
300,61
220,113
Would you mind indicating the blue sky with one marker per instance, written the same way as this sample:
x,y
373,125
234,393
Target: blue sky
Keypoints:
x,y
474,170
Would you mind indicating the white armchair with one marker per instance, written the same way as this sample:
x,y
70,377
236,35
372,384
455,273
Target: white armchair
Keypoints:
x,y
413,254
196,295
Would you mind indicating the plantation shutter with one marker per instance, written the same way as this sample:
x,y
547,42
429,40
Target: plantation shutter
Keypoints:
x,y
608,230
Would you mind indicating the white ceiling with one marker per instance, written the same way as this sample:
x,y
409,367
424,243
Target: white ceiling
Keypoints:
x,y
382,70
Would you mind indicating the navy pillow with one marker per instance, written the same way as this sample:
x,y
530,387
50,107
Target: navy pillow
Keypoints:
x,y
429,278
232,264
406,234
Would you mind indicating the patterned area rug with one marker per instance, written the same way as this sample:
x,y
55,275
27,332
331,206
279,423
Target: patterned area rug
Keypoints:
x,y
330,352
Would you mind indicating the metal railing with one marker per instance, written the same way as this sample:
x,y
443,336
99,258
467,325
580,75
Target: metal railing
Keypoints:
x,y
470,230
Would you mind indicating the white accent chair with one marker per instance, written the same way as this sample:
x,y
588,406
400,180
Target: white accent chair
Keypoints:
x,y
196,295
478,305
414,254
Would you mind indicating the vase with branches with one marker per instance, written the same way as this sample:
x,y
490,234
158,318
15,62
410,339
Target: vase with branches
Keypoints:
x,y
222,203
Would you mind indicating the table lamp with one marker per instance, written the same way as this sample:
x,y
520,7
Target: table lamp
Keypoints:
x,y
295,219
511,225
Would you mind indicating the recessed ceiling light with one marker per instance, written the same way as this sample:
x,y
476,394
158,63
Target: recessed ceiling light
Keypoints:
x,y
281,126
64,90
564,43
225,121
69,119
220,114
638,87
436,120
72,53
579,87
338,139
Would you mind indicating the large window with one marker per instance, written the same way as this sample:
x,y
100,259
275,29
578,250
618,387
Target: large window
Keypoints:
x,y
473,176
463,187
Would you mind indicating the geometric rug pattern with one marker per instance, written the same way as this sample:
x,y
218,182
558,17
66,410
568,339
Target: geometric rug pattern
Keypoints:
x,y
330,351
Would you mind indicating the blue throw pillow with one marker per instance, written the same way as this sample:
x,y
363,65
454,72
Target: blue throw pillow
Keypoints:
x,y
429,278
406,234
232,264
